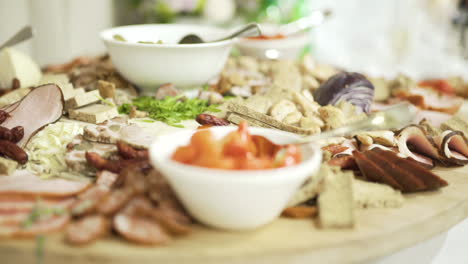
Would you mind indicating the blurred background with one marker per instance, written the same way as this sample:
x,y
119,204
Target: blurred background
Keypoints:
x,y
421,38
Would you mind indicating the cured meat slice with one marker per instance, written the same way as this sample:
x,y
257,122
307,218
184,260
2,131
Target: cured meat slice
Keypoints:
x,y
169,215
42,106
9,108
76,152
453,146
335,148
45,226
137,227
137,136
344,162
173,220
27,183
13,218
26,204
87,230
423,149
140,230
373,172
106,178
387,167
430,100
344,158
431,180
406,179
115,201
351,145
89,200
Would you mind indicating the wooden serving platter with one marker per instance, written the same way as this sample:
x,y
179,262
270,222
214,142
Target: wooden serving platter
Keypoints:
x,y
378,232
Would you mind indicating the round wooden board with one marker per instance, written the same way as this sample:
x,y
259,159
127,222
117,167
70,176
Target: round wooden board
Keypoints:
x,y
378,232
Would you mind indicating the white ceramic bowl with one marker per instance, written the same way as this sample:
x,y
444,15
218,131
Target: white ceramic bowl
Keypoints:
x,y
290,47
233,200
150,65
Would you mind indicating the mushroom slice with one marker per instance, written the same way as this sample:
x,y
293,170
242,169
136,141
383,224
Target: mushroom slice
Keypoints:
x,y
422,148
453,146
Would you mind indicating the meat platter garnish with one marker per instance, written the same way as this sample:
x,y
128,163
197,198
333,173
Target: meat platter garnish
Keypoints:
x,y
76,145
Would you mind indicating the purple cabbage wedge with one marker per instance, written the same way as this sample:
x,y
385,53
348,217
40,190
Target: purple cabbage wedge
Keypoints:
x,y
349,86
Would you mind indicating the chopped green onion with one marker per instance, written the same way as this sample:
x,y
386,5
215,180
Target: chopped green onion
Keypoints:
x,y
170,110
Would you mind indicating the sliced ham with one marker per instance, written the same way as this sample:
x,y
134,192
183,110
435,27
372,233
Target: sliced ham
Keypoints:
x,y
13,218
139,228
344,162
26,204
422,148
45,226
9,108
350,144
28,184
115,201
430,100
89,200
335,148
42,106
106,178
137,136
453,146
87,230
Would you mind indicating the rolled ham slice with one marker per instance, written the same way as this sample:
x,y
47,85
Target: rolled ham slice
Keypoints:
x,y
413,142
453,146
42,106
28,184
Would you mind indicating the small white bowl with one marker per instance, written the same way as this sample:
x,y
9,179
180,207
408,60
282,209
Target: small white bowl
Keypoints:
x,y
290,47
150,65
233,199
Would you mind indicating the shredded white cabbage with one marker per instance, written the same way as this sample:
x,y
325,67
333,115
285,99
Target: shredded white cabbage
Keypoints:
x,y
47,149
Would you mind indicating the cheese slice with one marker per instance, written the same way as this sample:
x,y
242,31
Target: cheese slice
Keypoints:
x,y
96,113
59,79
70,92
15,64
82,100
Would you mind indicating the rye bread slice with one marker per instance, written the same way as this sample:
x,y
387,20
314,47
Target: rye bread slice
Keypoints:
x,y
247,112
431,180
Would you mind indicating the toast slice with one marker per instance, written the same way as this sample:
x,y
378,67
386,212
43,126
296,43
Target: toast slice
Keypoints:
x,y
336,202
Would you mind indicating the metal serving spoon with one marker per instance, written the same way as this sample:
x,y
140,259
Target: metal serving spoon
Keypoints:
x,y
395,117
316,17
249,30
22,35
